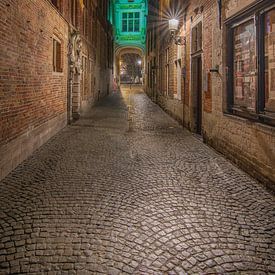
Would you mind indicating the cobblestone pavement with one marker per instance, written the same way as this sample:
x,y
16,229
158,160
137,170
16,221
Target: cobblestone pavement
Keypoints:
x,y
126,190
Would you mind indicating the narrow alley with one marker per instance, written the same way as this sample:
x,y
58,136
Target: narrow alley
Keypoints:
x,y
137,137
125,190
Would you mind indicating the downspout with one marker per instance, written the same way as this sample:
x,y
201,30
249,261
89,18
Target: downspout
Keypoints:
x,y
70,80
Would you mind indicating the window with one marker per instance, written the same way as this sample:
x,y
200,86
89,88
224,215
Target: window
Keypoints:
x,y
85,21
57,4
269,38
130,22
197,38
74,12
57,56
251,64
244,48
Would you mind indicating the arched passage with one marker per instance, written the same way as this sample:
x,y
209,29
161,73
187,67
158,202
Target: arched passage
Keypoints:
x,y
129,65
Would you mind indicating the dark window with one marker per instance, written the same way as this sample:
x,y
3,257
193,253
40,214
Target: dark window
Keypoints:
x,y
197,38
251,64
130,22
74,12
57,56
57,4
85,15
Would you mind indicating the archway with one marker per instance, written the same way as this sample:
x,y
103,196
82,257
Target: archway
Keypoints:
x,y
129,65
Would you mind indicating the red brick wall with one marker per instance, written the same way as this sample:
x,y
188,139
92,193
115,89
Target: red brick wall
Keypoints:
x,y
30,93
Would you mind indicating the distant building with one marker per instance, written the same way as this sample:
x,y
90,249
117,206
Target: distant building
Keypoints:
x,y
129,19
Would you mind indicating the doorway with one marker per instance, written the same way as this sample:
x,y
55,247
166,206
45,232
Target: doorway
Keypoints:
x,y
197,94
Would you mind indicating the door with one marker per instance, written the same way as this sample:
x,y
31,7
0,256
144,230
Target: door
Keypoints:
x,y
197,94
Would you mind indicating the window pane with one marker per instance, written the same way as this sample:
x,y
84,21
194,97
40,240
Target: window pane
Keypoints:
x,y
136,25
245,65
130,15
54,55
124,15
131,26
124,25
136,14
270,61
58,57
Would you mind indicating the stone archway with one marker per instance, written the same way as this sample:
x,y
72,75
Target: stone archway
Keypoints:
x,y
120,51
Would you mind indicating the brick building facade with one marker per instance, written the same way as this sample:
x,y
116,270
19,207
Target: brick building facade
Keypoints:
x,y
55,61
218,81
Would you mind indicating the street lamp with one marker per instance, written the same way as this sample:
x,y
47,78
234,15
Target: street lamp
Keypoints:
x,y
139,62
173,25
173,28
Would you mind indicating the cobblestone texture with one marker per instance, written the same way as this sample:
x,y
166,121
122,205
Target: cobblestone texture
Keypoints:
x,y
126,191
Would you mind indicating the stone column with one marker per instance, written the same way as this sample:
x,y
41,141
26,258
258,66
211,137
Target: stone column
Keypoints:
x,y
75,74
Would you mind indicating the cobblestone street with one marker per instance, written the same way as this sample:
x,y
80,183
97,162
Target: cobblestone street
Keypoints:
x,y
125,190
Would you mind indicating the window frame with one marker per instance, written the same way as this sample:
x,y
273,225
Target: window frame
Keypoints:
x,y
57,68
196,38
132,20
256,12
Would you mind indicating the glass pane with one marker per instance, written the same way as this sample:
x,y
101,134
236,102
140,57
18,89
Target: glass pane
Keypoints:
x,y
130,15
124,25
245,65
131,26
136,14
270,61
136,25
124,15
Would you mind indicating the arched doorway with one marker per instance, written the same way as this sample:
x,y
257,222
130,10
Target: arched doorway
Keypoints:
x,y
129,65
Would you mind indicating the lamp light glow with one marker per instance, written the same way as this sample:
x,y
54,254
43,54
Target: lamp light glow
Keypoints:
x,y
173,25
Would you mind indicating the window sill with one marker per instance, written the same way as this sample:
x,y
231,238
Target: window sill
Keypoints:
x,y
267,119
58,73
244,113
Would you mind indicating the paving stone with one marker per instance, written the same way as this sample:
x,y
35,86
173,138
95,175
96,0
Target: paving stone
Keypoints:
x,y
108,195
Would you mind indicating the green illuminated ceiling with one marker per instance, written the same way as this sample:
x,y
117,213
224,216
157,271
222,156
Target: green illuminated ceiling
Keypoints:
x,y
129,18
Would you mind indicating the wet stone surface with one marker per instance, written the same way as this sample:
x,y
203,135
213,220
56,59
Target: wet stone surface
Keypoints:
x,y
126,190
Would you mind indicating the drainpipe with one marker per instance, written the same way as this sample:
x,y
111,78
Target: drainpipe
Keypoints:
x,y
70,80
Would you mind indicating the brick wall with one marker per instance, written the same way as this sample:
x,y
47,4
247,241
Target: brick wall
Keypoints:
x,y
31,94
249,144
32,97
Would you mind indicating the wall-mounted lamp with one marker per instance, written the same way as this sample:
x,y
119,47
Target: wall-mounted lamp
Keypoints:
x,y
173,28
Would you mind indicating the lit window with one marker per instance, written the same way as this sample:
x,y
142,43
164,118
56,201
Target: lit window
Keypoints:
x,y
245,65
270,61
251,65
